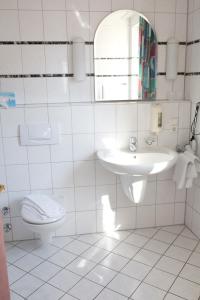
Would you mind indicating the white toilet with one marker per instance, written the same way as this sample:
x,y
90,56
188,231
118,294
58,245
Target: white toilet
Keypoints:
x,y
42,215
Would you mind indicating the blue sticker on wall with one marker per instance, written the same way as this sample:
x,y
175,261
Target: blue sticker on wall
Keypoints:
x,y
7,100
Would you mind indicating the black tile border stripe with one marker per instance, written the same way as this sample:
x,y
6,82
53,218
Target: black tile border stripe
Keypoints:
x,y
192,74
88,75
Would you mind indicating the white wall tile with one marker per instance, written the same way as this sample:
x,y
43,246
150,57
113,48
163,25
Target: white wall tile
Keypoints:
x,y
103,176
16,182
146,216
126,117
179,216
181,27
20,231
55,26
68,228
165,25
10,62
9,21
14,152
8,4
78,25
57,90
79,5
40,176
144,6
165,191
85,198
83,146
62,175
82,119
35,90
122,4
181,6
164,214
66,198
11,119
33,59
86,222
105,118
29,4
165,6
61,115
53,5
36,115
63,151
39,154
126,218
56,59
84,173
80,90
106,196
104,5
31,33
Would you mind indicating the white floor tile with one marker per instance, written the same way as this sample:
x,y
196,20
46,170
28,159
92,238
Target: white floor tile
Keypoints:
x,y
146,291
147,257
174,229
101,275
185,243
136,270
165,236
45,271
191,273
62,258
136,240
118,235
147,232
170,265
90,238
107,243
14,296
85,290
81,266
124,285
160,279
14,254
126,250
77,247
95,254
107,294
28,262
64,280
68,297
178,253
14,274
46,292
172,297
61,241
194,259
186,289
45,252
26,285
188,233
156,246
29,245
114,262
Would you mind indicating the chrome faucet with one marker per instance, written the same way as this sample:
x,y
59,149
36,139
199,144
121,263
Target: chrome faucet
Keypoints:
x,y
132,143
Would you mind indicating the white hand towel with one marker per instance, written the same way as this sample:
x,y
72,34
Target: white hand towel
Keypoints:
x,y
185,170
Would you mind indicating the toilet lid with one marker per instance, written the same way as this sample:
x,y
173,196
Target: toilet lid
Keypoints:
x,y
32,216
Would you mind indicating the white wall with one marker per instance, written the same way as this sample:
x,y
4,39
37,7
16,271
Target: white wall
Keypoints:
x,y
71,169
193,93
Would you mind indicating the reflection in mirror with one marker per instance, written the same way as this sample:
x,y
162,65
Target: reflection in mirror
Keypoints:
x,y
125,58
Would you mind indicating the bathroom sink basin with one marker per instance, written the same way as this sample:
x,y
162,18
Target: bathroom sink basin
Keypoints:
x,y
147,161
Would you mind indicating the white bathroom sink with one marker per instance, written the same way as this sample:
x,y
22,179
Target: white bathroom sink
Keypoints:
x,y
144,162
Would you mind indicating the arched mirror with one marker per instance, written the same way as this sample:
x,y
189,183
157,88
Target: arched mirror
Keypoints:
x,y
125,58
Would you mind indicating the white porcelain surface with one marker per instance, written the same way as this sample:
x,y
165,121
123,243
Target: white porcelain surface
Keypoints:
x,y
144,162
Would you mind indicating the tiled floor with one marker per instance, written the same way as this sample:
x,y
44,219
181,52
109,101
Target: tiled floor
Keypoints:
x,y
146,264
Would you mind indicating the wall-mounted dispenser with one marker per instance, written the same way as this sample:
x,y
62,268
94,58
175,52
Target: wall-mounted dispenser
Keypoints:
x,y
172,59
79,64
156,118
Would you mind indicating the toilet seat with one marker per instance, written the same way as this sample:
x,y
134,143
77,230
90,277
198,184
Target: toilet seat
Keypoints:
x,y
30,216
41,209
